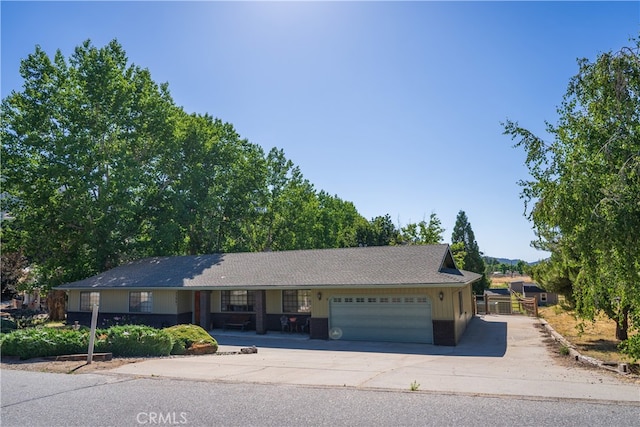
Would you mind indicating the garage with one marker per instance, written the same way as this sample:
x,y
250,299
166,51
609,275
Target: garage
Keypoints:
x,y
392,318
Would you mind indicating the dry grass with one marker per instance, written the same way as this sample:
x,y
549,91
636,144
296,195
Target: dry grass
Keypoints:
x,y
503,281
594,339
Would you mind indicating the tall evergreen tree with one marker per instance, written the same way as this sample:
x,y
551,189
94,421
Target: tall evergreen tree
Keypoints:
x,y
463,233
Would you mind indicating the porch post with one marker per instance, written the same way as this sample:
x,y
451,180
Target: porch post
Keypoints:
x,y
205,310
261,312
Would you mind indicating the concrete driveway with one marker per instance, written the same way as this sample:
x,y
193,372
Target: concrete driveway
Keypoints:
x,y
498,355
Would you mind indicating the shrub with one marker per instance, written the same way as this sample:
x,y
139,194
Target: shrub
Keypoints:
x,y
7,325
138,340
187,337
28,318
564,350
43,342
631,347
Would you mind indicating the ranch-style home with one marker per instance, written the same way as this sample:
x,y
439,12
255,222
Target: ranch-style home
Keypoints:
x,y
408,293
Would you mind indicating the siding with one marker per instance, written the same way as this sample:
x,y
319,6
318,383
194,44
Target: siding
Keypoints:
x,y
73,300
117,301
274,301
184,300
216,301
462,319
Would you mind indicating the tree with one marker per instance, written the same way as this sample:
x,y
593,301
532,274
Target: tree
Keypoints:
x,y
380,231
584,186
81,145
557,274
520,266
13,266
458,252
473,261
423,233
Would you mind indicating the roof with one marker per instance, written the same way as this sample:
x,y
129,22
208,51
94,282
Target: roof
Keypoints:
x,y
498,292
532,288
346,267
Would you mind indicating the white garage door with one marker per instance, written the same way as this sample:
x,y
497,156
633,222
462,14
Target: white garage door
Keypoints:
x,y
381,318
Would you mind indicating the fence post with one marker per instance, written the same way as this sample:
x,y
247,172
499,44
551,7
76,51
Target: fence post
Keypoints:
x,y
92,334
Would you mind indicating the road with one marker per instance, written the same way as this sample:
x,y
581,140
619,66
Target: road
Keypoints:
x,y
45,399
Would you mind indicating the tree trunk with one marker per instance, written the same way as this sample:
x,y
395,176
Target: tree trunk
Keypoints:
x,y
56,305
622,324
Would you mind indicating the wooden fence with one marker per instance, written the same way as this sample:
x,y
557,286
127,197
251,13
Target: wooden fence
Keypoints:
x,y
505,304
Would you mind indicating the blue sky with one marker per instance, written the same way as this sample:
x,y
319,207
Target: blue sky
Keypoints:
x,y
394,106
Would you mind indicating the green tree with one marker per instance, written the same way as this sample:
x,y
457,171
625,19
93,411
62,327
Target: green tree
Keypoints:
x,y
379,231
584,184
13,271
423,233
81,145
520,266
557,274
473,261
459,254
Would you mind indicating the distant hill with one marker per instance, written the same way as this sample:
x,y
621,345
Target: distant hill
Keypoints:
x,y
507,261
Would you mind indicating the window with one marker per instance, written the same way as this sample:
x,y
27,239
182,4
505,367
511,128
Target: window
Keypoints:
x,y
238,300
140,302
88,299
408,300
543,297
296,301
359,299
372,299
460,302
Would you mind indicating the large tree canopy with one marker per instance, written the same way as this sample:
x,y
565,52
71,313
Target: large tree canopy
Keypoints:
x,y
101,167
583,195
81,145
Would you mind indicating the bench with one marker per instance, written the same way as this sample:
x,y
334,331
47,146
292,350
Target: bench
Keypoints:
x,y
237,321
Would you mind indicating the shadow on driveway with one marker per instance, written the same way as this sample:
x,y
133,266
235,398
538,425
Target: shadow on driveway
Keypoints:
x,y
483,338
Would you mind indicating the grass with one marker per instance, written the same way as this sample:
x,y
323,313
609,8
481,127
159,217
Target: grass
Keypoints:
x,y
594,339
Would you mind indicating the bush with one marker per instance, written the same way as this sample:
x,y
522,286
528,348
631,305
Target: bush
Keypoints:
x,y
28,318
631,347
138,340
186,337
43,342
7,325
129,340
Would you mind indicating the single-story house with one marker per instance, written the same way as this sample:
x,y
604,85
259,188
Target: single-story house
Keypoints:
x,y
531,290
412,293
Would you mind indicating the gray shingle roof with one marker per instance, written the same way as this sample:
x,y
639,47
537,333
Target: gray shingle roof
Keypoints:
x,y
346,267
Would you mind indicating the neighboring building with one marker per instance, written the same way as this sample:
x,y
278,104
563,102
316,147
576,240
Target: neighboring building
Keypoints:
x,y
388,293
531,290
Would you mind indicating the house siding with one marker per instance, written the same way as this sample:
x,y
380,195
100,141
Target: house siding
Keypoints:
x,y
117,301
274,303
462,318
185,301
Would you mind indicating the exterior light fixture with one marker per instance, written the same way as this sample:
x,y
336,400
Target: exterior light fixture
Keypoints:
x,y
441,296
319,295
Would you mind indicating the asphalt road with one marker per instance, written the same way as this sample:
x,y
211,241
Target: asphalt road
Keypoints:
x,y
44,399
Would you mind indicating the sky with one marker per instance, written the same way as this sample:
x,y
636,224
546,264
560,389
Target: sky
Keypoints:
x,y
394,106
